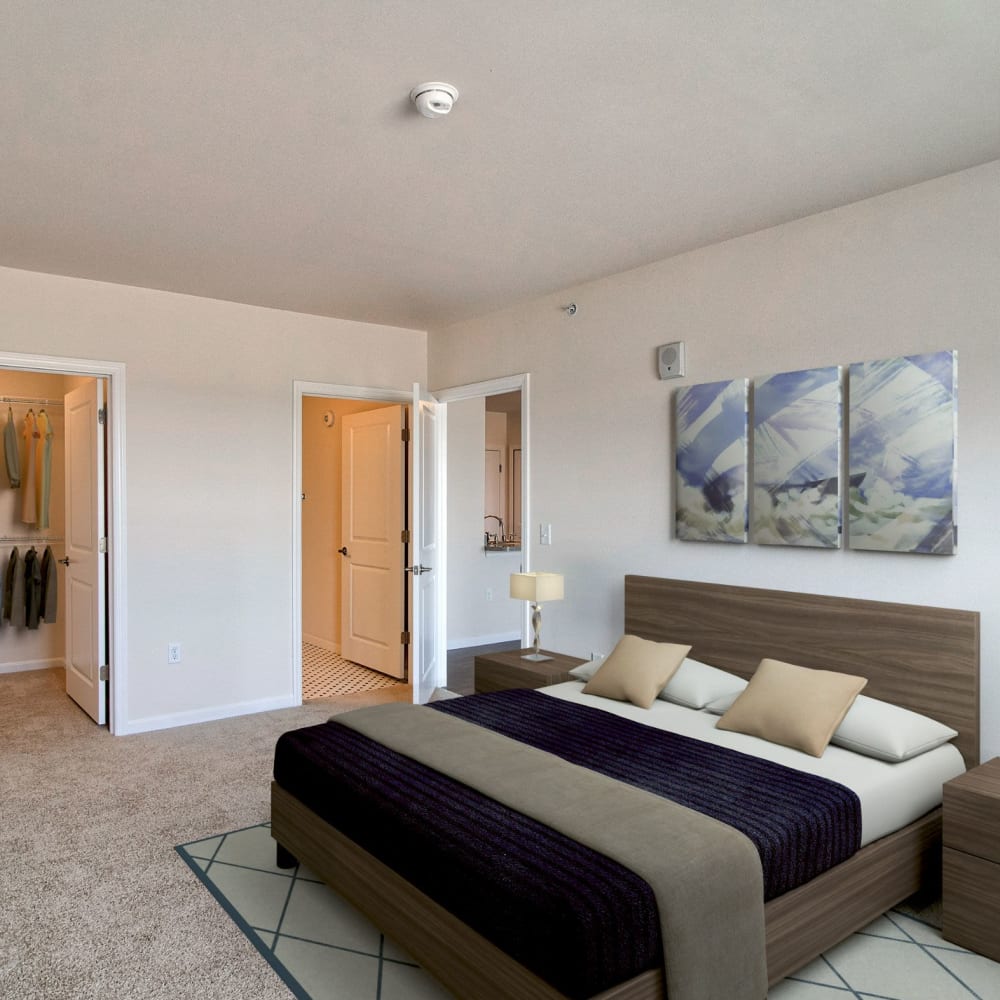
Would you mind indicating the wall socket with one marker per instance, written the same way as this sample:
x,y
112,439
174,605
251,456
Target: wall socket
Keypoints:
x,y
545,534
489,593
173,652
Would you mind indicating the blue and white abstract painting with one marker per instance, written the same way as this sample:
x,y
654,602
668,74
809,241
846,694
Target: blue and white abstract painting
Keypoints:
x,y
902,452
797,430
712,435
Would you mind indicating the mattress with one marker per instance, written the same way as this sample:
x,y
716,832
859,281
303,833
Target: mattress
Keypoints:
x,y
891,795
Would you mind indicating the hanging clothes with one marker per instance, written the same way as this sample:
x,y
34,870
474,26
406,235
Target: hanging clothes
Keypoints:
x,y
29,504
32,587
11,451
16,616
8,586
43,467
49,586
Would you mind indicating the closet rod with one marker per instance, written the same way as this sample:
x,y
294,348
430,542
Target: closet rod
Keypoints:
x,y
30,538
31,399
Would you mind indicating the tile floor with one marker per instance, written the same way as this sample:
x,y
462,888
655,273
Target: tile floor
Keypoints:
x,y
325,950
327,675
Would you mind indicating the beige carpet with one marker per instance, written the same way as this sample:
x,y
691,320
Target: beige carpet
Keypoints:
x,y
94,900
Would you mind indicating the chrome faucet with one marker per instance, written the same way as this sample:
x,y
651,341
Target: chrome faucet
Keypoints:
x,y
499,536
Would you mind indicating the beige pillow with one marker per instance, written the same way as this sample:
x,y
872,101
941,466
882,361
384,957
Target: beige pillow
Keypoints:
x,y
636,670
794,706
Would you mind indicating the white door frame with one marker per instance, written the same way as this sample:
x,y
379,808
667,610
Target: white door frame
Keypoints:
x,y
331,391
114,372
494,387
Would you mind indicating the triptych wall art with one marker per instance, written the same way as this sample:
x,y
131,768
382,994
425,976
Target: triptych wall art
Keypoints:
x,y
712,421
901,448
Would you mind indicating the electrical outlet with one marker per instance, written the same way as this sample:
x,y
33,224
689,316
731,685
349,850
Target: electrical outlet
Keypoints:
x,y
174,652
489,593
596,656
545,534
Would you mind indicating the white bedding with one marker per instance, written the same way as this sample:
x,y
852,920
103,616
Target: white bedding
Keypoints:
x,y
892,795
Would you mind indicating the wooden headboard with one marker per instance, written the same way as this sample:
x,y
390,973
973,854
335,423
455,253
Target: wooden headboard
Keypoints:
x,y
925,659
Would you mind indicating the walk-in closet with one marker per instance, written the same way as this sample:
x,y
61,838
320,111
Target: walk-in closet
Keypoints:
x,y
33,633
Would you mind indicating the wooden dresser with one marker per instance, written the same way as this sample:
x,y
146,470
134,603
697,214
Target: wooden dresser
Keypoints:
x,y
502,671
971,862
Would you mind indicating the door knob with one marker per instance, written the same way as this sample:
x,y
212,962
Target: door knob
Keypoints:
x,y
65,561
343,550
417,570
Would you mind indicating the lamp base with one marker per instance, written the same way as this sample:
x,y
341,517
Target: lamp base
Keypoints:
x,y
535,657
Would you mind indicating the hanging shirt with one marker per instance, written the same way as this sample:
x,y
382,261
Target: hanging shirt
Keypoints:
x,y
8,586
29,504
32,587
49,586
17,591
43,467
11,452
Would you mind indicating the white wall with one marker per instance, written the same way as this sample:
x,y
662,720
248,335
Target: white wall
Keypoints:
x,y
472,618
915,270
209,470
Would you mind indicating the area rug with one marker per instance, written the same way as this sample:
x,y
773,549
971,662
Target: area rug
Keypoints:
x,y
324,949
320,945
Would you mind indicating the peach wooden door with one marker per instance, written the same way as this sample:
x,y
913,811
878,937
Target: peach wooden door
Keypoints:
x,y
372,556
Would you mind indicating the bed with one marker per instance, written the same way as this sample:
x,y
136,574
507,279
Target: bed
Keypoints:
x,y
921,658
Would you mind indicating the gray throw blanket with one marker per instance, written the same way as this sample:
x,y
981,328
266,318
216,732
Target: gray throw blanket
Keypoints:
x,y
705,875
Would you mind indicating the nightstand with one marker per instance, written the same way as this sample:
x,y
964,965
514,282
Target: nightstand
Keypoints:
x,y
971,862
502,671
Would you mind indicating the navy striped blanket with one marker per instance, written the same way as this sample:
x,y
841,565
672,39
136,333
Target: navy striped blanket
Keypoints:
x,y
546,900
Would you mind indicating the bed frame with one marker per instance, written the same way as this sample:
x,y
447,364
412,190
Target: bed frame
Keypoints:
x,y
925,659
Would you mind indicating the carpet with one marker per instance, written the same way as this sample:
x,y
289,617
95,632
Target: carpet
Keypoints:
x,y
320,945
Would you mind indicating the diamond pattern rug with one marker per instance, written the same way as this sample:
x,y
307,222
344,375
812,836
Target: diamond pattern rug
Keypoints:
x,y
324,949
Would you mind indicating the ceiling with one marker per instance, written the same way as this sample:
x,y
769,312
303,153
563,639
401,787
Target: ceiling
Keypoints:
x,y
264,151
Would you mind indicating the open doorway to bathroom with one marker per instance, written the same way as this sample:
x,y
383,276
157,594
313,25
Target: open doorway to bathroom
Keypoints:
x,y
354,476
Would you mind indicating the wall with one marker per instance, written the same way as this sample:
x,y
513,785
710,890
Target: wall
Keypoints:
x,y
915,270
208,471
322,532
21,648
479,609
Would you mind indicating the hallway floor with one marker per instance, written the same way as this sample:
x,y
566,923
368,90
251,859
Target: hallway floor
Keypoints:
x,y
327,675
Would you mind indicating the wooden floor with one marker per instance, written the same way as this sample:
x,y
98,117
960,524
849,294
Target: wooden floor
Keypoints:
x,y
461,665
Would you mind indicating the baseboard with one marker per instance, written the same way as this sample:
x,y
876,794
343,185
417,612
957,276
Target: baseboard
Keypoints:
x,y
213,714
484,640
18,668
318,640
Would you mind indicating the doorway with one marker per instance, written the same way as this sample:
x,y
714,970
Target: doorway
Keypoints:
x,y
353,521
82,623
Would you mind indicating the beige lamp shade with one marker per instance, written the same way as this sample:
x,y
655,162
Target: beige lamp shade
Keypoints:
x,y
539,588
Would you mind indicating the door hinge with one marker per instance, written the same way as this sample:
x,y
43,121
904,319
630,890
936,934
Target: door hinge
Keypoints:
x,y
404,638
406,433
404,536
102,674
102,545
102,415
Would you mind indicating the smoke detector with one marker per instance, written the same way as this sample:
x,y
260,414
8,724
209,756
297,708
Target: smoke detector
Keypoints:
x,y
434,100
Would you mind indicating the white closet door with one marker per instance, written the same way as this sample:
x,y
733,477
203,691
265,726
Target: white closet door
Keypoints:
x,y
85,533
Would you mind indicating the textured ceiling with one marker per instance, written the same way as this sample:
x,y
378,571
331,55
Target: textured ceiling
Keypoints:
x,y
264,151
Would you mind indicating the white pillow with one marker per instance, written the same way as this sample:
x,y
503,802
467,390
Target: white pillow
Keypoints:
x,y
722,704
585,671
887,732
696,684
877,729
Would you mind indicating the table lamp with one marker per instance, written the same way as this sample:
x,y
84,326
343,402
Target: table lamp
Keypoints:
x,y
536,588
